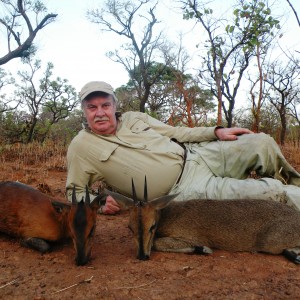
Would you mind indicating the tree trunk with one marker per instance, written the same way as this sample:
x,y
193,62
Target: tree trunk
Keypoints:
x,y
219,118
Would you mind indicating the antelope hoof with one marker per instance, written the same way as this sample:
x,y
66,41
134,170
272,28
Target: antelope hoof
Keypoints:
x,y
37,244
202,250
292,256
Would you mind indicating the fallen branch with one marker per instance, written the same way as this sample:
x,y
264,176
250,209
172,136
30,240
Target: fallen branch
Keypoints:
x,y
135,287
9,283
80,282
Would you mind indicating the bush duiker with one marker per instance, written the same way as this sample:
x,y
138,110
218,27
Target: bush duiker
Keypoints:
x,y
196,226
38,219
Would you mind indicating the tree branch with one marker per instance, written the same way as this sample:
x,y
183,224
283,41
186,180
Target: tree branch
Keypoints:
x,y
22,48
294,11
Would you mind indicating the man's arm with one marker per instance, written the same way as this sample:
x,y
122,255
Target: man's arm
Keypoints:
x,y
180,133
197,134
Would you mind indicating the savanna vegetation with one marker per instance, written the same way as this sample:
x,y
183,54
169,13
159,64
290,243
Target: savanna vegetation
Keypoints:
x,y
38,107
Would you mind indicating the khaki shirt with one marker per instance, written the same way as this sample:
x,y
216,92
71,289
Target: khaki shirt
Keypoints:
x,y
142,146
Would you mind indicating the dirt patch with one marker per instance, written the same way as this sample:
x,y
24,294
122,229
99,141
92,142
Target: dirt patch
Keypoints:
x,y
115,273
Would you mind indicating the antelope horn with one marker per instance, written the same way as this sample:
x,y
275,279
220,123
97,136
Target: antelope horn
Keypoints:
x,y
145,191
87,196
74,200
135,200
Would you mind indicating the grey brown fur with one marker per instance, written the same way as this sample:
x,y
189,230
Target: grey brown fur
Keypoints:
x,y
199,225
233,225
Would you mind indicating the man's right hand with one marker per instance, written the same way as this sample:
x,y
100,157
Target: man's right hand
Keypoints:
x,y
111,207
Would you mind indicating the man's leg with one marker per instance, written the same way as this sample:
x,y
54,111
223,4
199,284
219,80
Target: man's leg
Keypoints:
x,y
261,189
199,182
251,152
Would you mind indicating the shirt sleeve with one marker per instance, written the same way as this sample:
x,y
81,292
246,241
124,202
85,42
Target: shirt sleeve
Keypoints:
x,y
181,134
80,172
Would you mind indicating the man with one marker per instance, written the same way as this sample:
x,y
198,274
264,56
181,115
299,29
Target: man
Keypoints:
x,y
211,163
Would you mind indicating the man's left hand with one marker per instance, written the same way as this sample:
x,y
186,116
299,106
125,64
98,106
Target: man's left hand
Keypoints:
x,y
111,207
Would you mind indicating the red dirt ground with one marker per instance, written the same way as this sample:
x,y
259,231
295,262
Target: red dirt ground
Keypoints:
x,y
115,273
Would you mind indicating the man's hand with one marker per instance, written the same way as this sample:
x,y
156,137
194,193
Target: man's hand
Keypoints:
x,y
111,207
230,134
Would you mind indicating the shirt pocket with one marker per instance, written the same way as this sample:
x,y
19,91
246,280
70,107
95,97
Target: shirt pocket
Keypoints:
x,y
139,126
106,151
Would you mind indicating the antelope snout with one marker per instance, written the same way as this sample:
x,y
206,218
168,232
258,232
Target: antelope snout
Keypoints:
x,y
143,257
81,261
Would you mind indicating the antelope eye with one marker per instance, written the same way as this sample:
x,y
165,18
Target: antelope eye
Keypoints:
x,y
153,227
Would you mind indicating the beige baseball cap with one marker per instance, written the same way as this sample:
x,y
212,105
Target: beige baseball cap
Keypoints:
x,y
96,86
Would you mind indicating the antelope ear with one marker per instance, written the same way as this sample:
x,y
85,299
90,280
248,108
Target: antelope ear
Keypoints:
x,y
95,204
74,200
60,206
87,196
162,202
100,199
123,201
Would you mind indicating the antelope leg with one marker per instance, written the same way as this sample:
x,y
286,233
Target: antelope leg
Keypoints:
x,y
36,243
168,244
292,254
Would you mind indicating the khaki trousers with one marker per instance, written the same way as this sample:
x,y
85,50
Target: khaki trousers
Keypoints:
x,y
220,170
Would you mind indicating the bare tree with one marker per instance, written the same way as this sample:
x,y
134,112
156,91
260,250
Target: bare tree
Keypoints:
x,y
257,100
5,80
128,19
53,98
257,86
294,108
284,81
21,14
190,103
30,95
60,100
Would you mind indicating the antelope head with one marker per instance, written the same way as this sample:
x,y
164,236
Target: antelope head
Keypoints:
x,y
143,217
82,224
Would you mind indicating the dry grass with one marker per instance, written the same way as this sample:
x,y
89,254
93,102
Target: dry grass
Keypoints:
x,y
292,154
32,163
48,155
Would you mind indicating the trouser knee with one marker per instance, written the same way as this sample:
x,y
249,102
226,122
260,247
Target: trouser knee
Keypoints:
x,y
264,141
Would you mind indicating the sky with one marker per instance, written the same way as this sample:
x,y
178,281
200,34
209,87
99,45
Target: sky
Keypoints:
x,y
77,47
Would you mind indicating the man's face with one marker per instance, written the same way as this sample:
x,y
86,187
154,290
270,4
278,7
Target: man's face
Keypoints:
x,y
100,114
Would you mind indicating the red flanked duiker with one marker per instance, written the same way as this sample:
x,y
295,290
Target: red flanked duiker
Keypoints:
x,y
38,219
196,226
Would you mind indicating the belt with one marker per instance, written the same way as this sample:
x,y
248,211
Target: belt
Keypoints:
x,y
184,157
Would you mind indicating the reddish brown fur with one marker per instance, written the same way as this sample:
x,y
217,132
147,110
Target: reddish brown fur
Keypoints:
x,y
27,213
